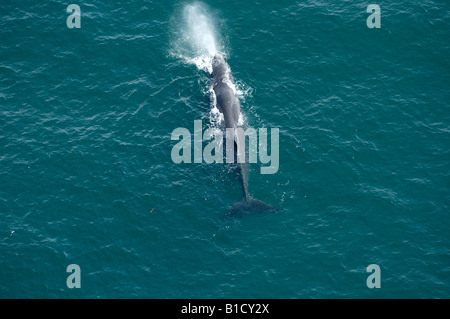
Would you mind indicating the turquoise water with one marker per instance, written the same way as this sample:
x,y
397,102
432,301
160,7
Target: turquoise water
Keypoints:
x,y
86,175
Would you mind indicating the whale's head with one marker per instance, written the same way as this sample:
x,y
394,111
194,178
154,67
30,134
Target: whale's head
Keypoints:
x,y
219,66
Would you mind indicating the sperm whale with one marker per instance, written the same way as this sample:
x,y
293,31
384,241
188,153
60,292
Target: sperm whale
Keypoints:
x,y
228,104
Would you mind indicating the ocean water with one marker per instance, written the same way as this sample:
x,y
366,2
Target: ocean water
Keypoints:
x,y
86,175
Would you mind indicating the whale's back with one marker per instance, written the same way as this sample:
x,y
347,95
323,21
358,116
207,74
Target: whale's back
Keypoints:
x,y
228,104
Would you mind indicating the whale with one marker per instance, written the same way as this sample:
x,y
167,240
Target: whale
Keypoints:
x,y
228,105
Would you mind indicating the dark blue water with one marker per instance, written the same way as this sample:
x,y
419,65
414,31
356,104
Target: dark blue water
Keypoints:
x,y
86,175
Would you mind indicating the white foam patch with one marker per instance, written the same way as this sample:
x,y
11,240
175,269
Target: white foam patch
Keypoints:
x,y
202,63
215,116
241,120
239,89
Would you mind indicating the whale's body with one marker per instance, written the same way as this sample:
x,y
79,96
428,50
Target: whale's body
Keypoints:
x,y
228,104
